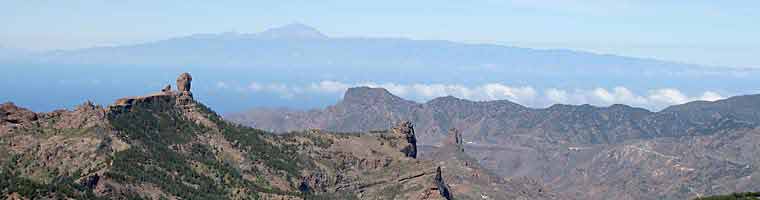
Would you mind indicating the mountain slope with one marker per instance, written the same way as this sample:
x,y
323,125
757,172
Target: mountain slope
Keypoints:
x,y
168,146
618,152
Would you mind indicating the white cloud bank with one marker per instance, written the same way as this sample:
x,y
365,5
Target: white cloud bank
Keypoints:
x,y
654,99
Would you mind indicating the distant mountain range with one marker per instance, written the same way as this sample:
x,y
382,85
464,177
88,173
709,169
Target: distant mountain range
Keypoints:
x,y
301,55
298,46
589,152
365,108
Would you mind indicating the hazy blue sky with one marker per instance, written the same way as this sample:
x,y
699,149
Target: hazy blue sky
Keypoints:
x,y
694,31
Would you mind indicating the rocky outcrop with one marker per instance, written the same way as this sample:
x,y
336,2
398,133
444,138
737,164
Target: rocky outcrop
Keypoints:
x,y
405,130
183,84
464,174
12,116
167,88
369,167
160,101
10,113
166,96
454,139
83,116
443,189
438,190
156,99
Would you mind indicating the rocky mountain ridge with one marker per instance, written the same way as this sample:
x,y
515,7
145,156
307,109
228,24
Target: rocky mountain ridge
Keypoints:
x,y
41,151
167,145
487,120
616,152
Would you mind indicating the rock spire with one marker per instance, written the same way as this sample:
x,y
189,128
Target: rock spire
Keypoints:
x,y
183,84
406,129
455,139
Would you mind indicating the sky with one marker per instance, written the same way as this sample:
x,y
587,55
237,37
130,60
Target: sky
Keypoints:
x,y
707,32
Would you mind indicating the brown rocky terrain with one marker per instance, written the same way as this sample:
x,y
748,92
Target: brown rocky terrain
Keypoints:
x,y
166,145
586,152
470,180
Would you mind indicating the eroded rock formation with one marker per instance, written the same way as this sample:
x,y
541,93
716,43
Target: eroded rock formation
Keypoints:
x,y
439,190
405,129
443,189
182,97
455,139
183,83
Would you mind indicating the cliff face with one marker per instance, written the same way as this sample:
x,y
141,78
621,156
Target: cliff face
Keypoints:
x,y
167,145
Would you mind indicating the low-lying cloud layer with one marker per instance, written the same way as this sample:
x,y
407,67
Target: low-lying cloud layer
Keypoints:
x,y
654,99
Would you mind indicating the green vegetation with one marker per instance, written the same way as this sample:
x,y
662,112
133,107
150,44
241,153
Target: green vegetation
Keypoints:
x,y
152,129
62,187
734,196
329,196
167,154
167,151
391,191
282,157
